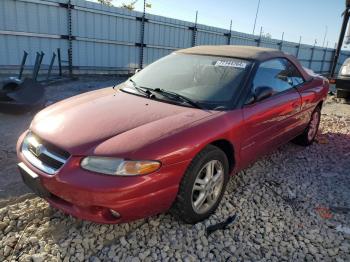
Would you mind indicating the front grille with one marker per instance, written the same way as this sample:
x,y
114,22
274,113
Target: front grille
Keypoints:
x,y
43,155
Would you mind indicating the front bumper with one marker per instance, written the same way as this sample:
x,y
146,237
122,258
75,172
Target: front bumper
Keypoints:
x,y
91,196
343,87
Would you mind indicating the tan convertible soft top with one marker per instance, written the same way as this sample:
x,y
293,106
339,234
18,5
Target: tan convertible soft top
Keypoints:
x,y
244,52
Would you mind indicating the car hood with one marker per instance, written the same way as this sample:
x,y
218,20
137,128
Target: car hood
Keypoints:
x,y
80,123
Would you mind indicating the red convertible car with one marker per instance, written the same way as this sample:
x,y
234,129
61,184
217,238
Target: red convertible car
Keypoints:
x,y
171,135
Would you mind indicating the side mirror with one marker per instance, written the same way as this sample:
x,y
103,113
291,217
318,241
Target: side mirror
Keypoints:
x,y
263,92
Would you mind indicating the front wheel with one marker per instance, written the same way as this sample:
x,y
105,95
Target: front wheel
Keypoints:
x,y
202,186
308,136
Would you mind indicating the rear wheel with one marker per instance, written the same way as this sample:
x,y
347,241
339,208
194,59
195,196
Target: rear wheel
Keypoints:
x,y
308,136
202,186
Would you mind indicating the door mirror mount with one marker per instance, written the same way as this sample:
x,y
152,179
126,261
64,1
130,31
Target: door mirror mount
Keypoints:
x,y
263,92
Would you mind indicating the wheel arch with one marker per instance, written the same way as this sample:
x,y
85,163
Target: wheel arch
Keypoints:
x,y
320,104
229,150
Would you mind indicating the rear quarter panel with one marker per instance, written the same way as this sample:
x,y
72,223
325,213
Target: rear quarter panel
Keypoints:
x,y
312,93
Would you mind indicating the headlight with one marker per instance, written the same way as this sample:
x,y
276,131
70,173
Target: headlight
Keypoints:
x,y
118,166
343,71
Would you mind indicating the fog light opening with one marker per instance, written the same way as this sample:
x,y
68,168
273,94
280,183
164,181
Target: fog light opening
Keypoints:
x,y
114,213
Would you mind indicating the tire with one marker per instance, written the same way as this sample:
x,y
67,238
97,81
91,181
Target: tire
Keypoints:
x,y
7,88
309,134
187,203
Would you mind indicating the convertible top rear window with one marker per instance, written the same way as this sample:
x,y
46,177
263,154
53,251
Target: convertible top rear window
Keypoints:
x,y
211,81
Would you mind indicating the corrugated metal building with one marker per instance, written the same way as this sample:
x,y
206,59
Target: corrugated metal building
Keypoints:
x,y
109,39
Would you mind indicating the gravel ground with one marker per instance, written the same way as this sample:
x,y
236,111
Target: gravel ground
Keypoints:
x,y
287,207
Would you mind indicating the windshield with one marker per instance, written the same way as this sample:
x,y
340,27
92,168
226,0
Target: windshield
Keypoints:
x,y
208,80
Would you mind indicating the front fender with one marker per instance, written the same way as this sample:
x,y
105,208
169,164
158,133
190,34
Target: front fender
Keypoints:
x,y
175,146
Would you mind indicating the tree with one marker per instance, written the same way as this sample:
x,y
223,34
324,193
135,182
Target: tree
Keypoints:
x,y
106,2
266,35
130,6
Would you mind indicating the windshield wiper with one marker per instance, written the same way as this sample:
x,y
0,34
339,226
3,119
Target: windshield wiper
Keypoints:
x,y
177,96
141,89
171,95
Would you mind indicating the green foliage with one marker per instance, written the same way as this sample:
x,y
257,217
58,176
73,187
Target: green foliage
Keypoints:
x,y
106,2
266,35
130,6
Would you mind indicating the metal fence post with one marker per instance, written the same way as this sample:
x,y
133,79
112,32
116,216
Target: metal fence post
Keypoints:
x,y
334,54
59,62
259,40
38,61
194,33
51,65
37,58
298,48
70,39
229,34
24,59
281,43
142,35
312,54
324,57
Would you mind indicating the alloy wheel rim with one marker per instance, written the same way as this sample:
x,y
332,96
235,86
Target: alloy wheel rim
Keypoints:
x,y
207,186
313,125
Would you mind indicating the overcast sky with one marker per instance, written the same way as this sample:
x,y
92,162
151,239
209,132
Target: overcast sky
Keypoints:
x,y
310,19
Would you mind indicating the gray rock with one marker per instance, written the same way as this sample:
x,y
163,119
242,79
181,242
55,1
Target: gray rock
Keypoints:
x,y
152,242
154,223
313,250
123,241
7,251
144,254
3,225
333,251
110,236
39,257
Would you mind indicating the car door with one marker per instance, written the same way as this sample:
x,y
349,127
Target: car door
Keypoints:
x,y
303,88
270,122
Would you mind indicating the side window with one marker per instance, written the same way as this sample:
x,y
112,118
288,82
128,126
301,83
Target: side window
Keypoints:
x,y
273,73
294,75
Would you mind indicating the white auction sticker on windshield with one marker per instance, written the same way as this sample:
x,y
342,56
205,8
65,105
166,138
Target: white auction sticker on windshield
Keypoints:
x,y
230,63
